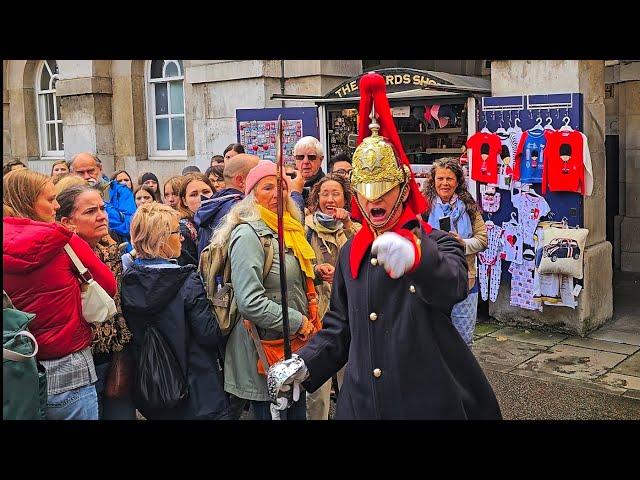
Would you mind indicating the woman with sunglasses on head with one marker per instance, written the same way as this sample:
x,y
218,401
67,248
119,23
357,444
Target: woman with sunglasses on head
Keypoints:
x,y
156,288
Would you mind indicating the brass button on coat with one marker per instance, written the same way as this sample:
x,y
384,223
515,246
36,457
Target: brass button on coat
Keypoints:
x,y
412,289
374,261
373,316
377,372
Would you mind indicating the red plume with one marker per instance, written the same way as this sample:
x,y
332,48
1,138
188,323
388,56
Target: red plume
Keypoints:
x,y
373,90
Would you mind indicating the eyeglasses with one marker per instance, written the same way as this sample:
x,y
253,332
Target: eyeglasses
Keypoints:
x,y
311,157
343,172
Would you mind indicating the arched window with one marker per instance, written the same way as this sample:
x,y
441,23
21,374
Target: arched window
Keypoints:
x,y
48,105
165,97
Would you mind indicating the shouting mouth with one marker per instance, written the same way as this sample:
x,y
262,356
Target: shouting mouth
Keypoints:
x,y
378,214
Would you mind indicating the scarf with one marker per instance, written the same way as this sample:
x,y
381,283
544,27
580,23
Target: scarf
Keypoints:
x,y
457,210
294,238
327,225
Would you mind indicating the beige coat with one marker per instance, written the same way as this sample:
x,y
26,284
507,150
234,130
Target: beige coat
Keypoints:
x,y
475,244
335,242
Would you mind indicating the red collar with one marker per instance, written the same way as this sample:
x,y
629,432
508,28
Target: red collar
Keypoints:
x,y
364,238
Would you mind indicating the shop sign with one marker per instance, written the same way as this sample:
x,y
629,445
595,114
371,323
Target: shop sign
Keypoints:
x,y
396,79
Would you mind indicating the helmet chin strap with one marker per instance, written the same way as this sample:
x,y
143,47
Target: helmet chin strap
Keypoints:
x,y
376,228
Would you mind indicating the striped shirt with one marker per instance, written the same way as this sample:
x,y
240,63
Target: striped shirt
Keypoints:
x,y
70,372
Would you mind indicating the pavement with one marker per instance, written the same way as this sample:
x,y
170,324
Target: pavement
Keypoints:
x,y
550,375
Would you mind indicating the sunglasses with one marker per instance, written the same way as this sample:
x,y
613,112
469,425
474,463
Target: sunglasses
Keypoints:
x,y
311,157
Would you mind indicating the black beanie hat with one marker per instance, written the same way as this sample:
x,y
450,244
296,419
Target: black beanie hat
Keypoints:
x,y
149,176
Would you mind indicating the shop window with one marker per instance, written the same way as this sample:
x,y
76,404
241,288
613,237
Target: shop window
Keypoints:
x,y
427,131
166,108
48,107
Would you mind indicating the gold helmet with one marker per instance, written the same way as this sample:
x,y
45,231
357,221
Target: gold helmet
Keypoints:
x,y
379,162
375,164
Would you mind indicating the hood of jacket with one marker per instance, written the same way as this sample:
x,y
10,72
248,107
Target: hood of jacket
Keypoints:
x,y
28,244
210,209
150,289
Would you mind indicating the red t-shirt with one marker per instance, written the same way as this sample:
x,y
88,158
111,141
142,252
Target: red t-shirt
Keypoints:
x,y
564,164
485,148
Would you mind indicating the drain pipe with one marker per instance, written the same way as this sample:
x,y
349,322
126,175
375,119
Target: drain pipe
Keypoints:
x,y
282,80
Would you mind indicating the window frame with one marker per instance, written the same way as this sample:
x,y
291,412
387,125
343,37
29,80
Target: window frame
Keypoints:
x,y
42,112
150,93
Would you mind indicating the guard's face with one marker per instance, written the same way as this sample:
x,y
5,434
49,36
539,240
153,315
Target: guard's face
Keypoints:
x,y
379,210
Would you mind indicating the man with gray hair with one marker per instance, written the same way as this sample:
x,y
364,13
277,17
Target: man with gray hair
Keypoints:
x,y
119,201
308,154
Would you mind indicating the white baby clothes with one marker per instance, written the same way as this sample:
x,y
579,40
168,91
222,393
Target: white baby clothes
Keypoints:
x,y
512,242
490,202
530,209
522,285
490,268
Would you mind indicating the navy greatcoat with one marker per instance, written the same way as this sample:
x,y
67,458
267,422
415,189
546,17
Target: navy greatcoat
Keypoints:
x,y
405,358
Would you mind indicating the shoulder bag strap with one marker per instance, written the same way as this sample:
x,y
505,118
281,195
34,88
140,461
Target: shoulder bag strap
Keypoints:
x,y
19,357
253,333
85,275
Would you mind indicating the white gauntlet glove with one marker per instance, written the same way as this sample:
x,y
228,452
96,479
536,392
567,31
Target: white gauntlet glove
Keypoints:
x,y
394,252
281,376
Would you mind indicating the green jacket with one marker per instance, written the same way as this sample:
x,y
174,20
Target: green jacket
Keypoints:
x,y
259,303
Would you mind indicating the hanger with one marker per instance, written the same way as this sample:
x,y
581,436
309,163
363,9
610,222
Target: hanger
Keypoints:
x,y
486,122
566,127
548,125
538,126
501,129
513,220
533,193
516,126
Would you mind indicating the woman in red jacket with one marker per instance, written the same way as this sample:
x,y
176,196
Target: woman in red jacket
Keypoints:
x,y
40,278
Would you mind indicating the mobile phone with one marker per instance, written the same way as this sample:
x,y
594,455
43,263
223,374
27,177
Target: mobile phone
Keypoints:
x,y
445,224
292,175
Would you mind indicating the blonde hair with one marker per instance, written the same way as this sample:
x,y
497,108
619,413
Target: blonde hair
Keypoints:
x,y
21,189
59,162
68,180
244,211
151,228
176,186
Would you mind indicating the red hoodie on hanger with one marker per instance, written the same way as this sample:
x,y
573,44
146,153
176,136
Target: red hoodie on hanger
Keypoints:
x,y
485,148
567,160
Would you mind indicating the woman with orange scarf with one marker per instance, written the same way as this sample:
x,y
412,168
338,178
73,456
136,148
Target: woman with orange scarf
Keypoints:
x,y
258,296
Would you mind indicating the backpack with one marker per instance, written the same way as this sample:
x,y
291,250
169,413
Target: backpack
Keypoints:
x,y
159,383
24,380
215,269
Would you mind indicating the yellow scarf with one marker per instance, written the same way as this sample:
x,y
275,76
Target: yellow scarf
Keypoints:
x,y
293,238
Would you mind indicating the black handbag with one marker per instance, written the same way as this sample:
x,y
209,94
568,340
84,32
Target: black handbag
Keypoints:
x,y
160,382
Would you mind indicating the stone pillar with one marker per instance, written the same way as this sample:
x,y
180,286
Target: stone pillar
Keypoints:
x,y
23,118
85,90
595,302
630,154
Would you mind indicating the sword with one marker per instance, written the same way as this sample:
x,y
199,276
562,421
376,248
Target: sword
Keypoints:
x,y
281,247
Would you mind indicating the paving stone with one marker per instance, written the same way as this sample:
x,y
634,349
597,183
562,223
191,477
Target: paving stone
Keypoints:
x,y
632,394
623,381
494,366
573,362
631,366
574,382
509,353
545,339
483,329
620,336
601,345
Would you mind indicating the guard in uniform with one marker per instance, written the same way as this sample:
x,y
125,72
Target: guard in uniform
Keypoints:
x,y
395,284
